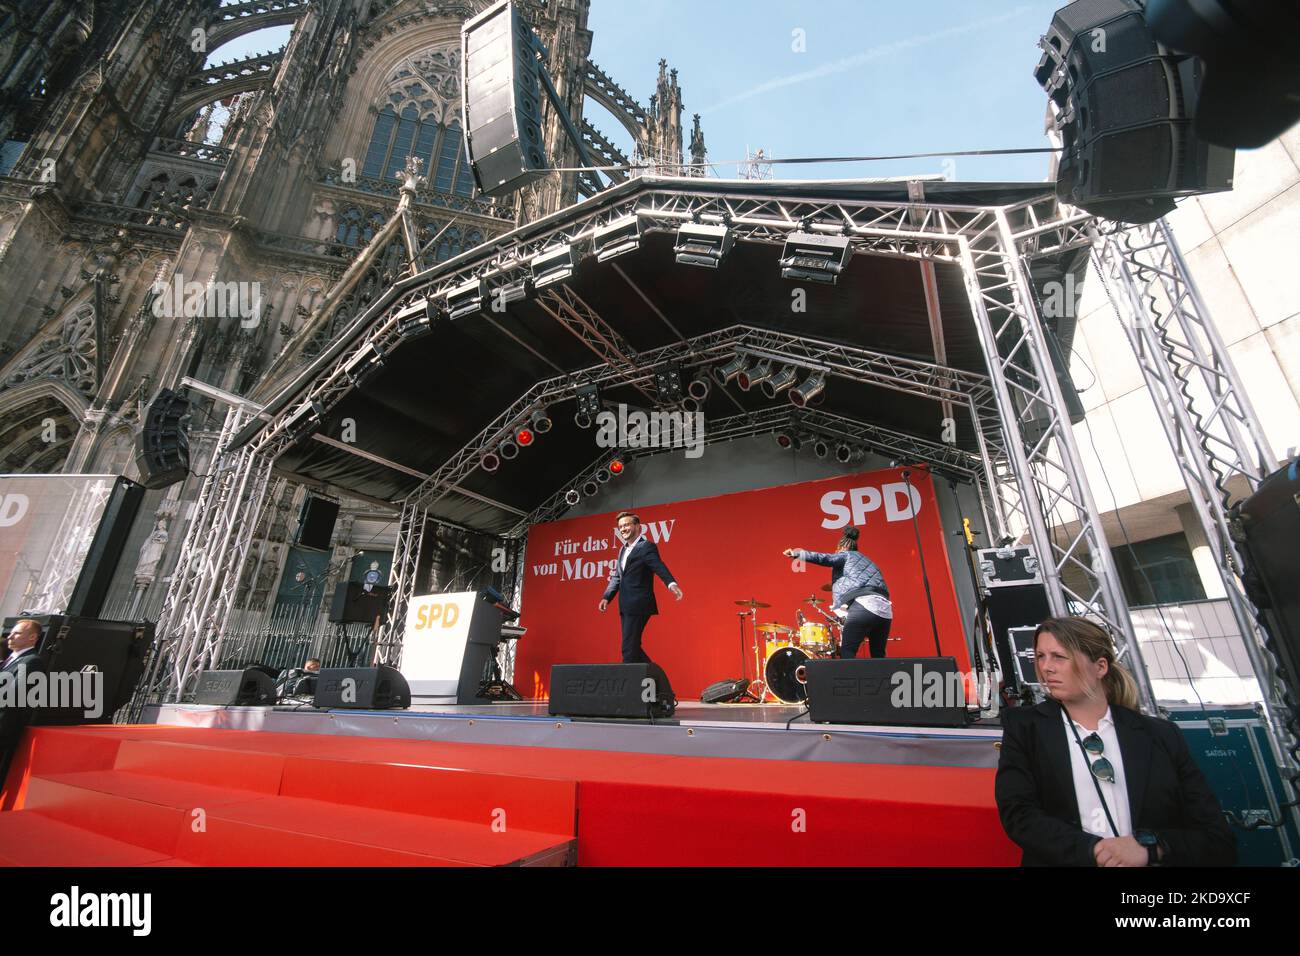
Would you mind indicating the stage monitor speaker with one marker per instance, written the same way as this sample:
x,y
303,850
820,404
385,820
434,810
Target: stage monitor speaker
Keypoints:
x,y
75,645
362,688
250,687
352,604
162,449
611,690
1126,111
502,103
1270,522
316,523
899,691
106,549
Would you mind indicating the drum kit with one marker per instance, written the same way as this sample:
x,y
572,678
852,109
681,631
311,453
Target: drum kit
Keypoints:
x,y
780,652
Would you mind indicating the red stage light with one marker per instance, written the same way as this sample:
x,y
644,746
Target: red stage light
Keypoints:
x,y
524,437
616,467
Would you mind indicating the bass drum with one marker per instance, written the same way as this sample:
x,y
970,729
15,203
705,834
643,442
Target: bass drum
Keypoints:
x,y
785,676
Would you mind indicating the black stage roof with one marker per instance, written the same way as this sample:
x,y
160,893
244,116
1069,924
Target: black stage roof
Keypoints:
x,y
435,394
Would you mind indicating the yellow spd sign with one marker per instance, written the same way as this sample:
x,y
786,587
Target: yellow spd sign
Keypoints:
x,y
433,644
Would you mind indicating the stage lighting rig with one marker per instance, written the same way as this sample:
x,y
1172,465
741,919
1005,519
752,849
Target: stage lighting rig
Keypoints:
x,y
757,375
490,462
617,467
365,363
508,450
702,245
699,388
553,265
843,453
571,497
780,382
809,257
620,236
668,383
725,373
588,406
812,387
603,476
524,437
821,448
466,299
542,422
503,297
590,488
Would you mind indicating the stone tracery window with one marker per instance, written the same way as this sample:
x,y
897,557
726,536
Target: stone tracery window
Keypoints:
x,y
419,115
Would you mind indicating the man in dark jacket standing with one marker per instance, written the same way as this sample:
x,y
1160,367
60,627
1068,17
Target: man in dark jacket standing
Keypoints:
x,y
633,581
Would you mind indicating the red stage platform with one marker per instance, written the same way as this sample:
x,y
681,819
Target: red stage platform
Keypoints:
x,y
166,795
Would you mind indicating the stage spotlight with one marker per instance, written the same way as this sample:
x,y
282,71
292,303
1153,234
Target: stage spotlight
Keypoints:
x,y
524,437
364,364
698,389
503,297
701,245
582,420
553,265
508,450
490,462
668,383
466,299
616,467
542,422
725,373
779,382
813,386
814,258
843,453
590,489
588,402
821,448
757,375
620,236
571,497
603,476
690,406
784,439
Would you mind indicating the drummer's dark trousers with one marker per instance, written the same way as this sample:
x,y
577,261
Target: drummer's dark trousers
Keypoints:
x,y
863,625
633,626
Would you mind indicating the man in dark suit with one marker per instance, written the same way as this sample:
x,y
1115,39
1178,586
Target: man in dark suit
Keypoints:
x,y
21,661
1068,799
633,581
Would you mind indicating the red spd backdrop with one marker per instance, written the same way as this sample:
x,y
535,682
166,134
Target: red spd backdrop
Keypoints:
x,y
726,549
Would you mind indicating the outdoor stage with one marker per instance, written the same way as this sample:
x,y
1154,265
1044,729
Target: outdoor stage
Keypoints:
x,y
503,784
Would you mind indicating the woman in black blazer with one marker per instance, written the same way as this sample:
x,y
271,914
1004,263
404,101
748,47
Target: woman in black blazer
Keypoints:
x,y
1164,814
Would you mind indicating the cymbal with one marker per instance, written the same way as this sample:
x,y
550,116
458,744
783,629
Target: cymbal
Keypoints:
x,y
775,629
811,599
751,603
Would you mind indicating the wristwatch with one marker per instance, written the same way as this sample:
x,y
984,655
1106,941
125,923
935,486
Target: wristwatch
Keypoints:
x,y
1149,840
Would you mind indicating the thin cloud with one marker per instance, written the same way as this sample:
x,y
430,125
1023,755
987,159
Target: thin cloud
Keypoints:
x,y
859,59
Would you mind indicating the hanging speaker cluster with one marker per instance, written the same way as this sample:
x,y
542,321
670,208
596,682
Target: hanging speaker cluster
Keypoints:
x,y
502,111
1125,108
162,450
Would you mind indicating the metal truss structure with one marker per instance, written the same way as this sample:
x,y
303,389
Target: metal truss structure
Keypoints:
x,y
1201,404
1029,468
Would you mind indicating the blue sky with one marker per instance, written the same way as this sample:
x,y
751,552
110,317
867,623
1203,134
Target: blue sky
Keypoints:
x,y
875,77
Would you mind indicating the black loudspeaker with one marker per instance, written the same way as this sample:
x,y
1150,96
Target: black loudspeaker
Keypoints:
x,y
611,690
1126,109
362,688
725,692
106,548
903,691
316,523
250,687
76,646
162,449
1269,521
502,101
352,604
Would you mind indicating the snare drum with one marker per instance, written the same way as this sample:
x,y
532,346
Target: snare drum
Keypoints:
x,y
815,638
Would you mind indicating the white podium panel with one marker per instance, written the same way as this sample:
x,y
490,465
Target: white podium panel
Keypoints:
x,y
433,643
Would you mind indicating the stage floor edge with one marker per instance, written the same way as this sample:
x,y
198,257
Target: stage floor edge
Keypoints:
x,y
696,730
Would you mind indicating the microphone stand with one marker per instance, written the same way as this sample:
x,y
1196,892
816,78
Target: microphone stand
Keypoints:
x,y
925,577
